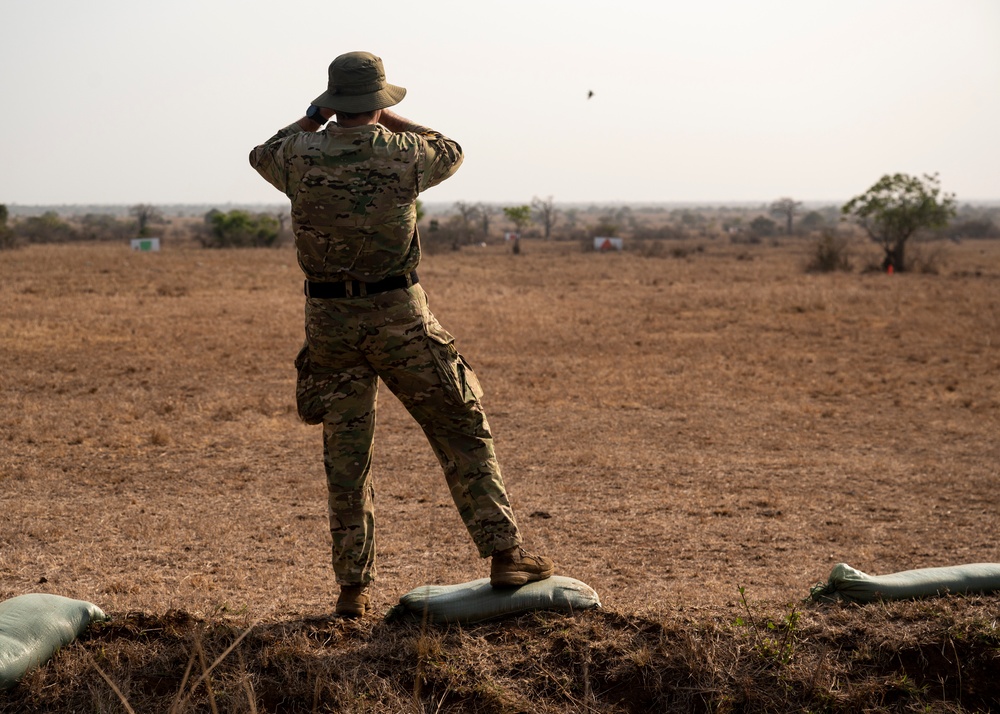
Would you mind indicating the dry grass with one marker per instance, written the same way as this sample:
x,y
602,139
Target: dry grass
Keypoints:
x,y
670,428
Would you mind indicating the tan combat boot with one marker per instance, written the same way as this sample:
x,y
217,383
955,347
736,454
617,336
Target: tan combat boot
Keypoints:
x,y
353,601
514,567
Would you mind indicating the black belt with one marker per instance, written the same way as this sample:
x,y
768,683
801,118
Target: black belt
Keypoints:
x,y
359,288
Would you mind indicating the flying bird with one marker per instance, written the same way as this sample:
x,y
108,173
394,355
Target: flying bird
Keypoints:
x,y
590,94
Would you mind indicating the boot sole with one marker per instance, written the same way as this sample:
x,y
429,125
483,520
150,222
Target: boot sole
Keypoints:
x,y
514,580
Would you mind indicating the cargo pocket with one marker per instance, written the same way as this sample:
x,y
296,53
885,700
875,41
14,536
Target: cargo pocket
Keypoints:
x,y
308,389
457,376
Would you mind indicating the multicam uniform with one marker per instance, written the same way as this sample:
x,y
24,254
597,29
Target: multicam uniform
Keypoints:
x,y
353,193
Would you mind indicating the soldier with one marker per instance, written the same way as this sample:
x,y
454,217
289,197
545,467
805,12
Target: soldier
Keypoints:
x,y
353,188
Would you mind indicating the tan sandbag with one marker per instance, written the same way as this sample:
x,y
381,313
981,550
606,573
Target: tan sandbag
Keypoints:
x,y
34,626
477,600
847,583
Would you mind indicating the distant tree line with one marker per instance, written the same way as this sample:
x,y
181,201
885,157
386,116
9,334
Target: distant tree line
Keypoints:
x,y
542,218
466,224
233,229
50,227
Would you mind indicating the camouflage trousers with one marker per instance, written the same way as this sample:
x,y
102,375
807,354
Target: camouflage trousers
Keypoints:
x,y
350,344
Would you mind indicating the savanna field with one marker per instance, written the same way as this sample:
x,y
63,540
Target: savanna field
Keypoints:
x,y
672,428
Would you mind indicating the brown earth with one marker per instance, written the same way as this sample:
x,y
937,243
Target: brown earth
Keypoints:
x,y
670,428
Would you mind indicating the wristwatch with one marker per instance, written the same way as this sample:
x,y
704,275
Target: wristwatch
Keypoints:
x,y
313,113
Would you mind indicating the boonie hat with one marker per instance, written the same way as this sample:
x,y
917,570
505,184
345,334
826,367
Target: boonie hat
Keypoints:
x,y
357,84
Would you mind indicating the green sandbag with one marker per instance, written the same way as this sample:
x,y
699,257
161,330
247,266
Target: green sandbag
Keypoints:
x,y
33,627
477,600
847,583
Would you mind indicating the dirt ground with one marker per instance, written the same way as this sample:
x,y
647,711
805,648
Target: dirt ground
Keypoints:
x,y
670,428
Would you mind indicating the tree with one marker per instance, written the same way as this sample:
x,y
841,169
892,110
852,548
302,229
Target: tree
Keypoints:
x,y
981,228
762,227
689,218
239,229
283,218
546,213
520,216
6,234
606,226
485,214
812,221
102,226
145,216
895,208
610,223
786,208
46,228
468,214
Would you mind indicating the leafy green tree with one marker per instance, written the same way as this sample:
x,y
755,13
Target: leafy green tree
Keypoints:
x,y
240,229
520,216
895,208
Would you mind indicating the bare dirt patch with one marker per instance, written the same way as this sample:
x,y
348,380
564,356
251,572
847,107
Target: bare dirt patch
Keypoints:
x,y
669,429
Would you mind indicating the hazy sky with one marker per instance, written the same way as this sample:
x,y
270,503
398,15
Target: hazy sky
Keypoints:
x,y
118,101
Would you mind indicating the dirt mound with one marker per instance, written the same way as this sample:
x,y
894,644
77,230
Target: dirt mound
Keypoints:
x,y
832,658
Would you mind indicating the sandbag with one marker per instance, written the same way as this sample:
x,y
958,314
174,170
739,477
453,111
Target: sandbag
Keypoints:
x,y
847,583
34,626
477,600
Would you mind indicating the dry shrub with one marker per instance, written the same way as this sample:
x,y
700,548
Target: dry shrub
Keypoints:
x,y
830,253
657,248
927,258
8,239
660,232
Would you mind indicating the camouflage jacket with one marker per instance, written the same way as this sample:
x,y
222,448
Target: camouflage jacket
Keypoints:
x,y
353,193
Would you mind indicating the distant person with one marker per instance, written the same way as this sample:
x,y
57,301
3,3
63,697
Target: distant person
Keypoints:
x,y
353,188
